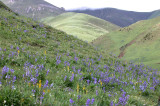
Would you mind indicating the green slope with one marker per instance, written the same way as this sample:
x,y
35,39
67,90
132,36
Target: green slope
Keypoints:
x,y
155,14
36,9
83,26
42,66
138,42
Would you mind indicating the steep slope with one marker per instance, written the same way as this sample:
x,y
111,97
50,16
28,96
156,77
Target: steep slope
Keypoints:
x,y
83,26
42,66
154,14
2,5
121,18
138,42
36,9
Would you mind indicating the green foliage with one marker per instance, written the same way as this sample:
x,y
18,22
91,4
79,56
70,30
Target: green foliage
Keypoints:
x,y
14,97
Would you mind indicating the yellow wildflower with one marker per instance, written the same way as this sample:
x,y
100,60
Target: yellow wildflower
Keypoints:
x,y
44,91
101,82
29,84
68,68
86,91
45,52
77,88
40,84
84,88
18,52
48,90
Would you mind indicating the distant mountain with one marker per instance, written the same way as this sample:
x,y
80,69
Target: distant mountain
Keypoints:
x,y
138,42
121,18
85,27
36,9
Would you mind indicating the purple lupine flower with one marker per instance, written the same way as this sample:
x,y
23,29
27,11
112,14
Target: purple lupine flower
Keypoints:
x,y
95,80
152,88
123,100
92,101
46,84
58,62
33,90
17,48
71,101
88,81
13,87
109,95
96,92
72,78
34,80
79,96
134,87
41,98
79,70
12,71
51,85
14,78
47,72
65,78
76,58
11,46
23,49
35,59
58,59
88,102
5,70
111,104
142,88
25,31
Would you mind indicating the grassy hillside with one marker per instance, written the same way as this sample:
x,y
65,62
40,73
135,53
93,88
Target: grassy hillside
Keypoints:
x,y
138,42
83,26
155,14
118,17
40,65
36,9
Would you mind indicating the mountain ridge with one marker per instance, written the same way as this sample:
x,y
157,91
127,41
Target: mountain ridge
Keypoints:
x,y
119,17
36,9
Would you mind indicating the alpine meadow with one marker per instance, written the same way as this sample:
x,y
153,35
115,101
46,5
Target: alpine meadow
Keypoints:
x,y
91,62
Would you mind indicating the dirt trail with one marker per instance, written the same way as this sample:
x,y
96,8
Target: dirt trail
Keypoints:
x,y
122,53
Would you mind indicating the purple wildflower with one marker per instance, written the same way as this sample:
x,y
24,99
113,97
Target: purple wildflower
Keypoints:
x,y
111,104
46,84
71,101
88,102
72,78
65,78
92,101
47,72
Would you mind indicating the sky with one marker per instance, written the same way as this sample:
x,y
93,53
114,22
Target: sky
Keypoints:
x,y
131,5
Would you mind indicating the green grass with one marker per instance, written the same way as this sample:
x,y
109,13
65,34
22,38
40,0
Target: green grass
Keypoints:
x,y
40,65
82,26
146,40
